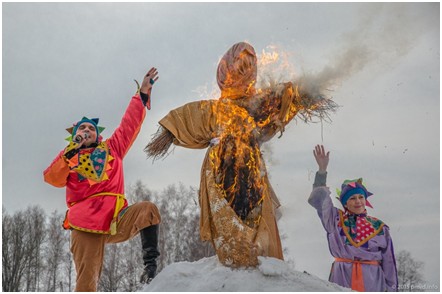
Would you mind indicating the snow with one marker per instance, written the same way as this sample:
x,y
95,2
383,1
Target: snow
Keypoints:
x,y
209,275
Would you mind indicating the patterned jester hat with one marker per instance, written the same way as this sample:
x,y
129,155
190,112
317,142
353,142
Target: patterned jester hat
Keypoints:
x,y
352,187
94,121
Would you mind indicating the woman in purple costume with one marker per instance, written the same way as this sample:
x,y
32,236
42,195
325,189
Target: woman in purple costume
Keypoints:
x,y
361,244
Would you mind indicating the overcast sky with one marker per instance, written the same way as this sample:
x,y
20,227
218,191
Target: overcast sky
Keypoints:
x,y
64,61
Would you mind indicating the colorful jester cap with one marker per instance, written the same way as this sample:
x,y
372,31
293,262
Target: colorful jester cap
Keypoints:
x,y
94,121
352,187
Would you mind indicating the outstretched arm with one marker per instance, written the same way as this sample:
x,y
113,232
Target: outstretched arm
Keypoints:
x,y
130,125
320,196
321,157
280,103
191,125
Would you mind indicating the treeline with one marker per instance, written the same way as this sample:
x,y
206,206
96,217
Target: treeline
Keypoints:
x,y
36,250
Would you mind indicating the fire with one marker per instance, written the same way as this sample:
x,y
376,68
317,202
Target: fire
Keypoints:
x,y
248,114
242,125
274,65
235,195
236,159
268,58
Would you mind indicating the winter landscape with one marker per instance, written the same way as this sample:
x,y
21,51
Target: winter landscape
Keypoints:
x,y
381,65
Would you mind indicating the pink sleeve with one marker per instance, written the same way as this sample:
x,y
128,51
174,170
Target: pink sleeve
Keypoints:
x,y
130,125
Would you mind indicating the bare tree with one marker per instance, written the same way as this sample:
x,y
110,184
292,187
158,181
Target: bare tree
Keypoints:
x,y
36,253
55,251
409,272
179,238
69,270
139,192
202,248
132,265
35,250
14,248
36,227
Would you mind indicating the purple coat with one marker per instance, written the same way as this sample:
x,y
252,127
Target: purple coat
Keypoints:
x,y
376,278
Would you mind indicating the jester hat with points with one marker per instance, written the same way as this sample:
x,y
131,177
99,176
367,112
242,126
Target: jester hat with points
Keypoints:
x,y
94,121
352,187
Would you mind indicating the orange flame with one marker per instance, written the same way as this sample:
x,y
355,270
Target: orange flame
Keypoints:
x,y
243,116
274,64
236,159
268,58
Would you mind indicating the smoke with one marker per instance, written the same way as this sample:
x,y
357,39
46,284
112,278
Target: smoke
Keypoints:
x,y
207,91
384,34
268,153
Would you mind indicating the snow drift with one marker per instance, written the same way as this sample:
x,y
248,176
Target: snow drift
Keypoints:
x,y
209,275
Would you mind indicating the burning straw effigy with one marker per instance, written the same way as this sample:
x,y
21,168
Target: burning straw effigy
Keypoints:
x,y
236,199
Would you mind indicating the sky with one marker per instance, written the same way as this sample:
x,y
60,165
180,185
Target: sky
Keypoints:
x,y
379,61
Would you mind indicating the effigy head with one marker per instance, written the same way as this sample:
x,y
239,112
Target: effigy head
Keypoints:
x,y
237,71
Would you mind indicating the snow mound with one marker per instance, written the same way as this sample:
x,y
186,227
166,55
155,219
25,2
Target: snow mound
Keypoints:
x,y
209,275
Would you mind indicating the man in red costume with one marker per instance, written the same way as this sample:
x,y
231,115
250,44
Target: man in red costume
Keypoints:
x,y
91,169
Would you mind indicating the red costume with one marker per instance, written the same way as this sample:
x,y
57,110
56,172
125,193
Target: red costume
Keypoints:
x,y
95,199
97,212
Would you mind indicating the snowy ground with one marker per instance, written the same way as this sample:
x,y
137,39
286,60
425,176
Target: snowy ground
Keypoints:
x,y
209,275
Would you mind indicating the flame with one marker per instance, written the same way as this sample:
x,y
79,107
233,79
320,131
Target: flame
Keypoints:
x,y
236,159
246,115
268,58
274,66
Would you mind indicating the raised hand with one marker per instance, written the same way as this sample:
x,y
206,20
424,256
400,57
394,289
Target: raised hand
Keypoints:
x,y
149,79
321,157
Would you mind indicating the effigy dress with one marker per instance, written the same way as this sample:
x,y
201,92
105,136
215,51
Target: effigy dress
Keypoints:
x,y
236,199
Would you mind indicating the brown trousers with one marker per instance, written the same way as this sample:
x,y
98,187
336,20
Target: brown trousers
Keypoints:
x,y
88,248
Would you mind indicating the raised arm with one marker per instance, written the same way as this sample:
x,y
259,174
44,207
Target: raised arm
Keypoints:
x,y
146,86
320,196
322,158
130,125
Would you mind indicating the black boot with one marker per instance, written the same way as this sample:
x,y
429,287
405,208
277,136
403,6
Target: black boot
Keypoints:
x,y
149,244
